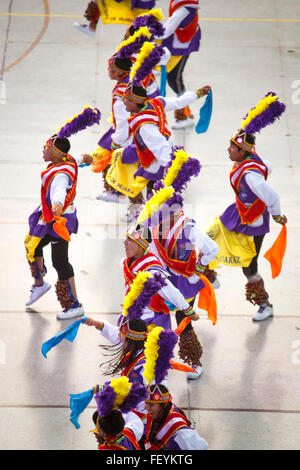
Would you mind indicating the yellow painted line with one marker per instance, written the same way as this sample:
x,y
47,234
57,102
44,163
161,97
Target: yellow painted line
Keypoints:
x,y
270,20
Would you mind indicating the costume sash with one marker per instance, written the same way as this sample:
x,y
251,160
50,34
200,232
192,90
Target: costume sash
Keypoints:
x,y
71,169
154,116
249,214
187,33
174,4
157,303
175,421
184,268
127,371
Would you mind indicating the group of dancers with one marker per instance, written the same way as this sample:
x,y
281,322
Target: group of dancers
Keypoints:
x,y
169,261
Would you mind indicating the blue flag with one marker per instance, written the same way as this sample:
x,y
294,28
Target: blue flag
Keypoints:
x,y
69,334
163,80
205,114
78,403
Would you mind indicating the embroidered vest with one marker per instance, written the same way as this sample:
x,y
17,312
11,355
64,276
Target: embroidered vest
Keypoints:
x,y
127,370
70,168
166,248
157,303
153,114
248,214
175,421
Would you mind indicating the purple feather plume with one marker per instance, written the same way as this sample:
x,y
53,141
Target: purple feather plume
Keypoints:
x,y
155,26
87,118
166,343
129,49
148,65
267,117
105,400
137,394
151,287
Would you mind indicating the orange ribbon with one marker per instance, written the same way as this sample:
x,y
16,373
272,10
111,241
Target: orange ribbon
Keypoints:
x,y
207,299
100,164
60,228
276,253
181,367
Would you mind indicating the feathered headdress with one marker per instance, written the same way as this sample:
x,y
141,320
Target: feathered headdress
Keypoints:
x,y
168,190
151,19
88,117
133,44
119,394
159,350
262,115
142,289
154,204
148,57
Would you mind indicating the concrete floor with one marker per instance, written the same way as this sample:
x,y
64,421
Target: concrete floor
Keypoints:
x,y
249,395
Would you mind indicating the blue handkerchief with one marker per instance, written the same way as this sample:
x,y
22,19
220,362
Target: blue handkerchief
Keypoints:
x,y
69,333
205,114
78,403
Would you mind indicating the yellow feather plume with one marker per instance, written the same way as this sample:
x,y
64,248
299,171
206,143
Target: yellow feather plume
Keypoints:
x,y
121,387
146,48
151,354
143,31
136,289
180,158
155,12
154,204
261,106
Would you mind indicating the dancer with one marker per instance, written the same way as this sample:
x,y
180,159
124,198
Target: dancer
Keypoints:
x,y
139,259
245,223
58,191
116,427
175,239
167,427
182,37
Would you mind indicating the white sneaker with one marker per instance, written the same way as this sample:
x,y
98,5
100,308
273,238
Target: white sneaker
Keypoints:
x,y
216,284
184,124
37,292
71,313
84,28
264,311
196,374
111,197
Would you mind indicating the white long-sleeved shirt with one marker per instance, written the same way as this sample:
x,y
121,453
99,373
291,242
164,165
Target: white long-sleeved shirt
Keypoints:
x,y
60,186
189,439
121,134
155,141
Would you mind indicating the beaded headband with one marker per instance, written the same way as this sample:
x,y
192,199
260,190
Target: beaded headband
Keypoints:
x,y
137,237
133,97
131,334
54,150
157,396
239,138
